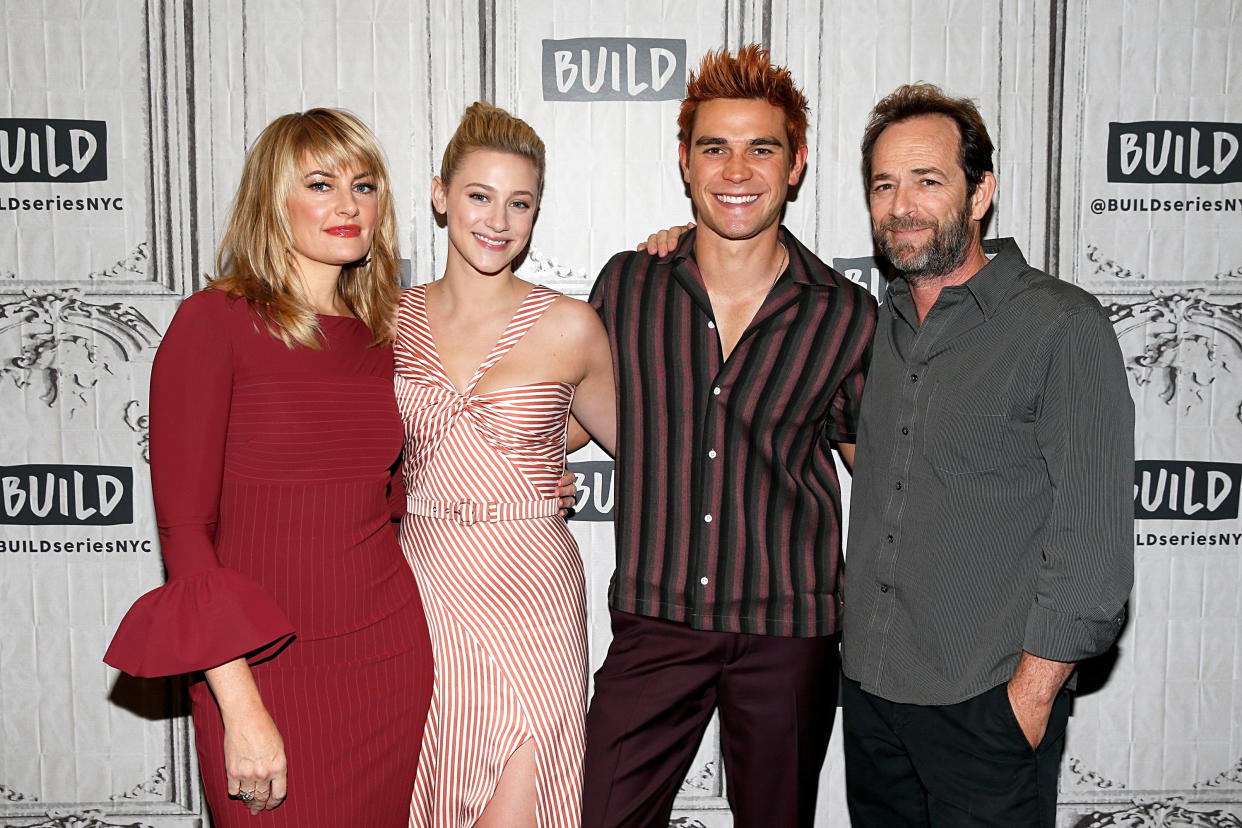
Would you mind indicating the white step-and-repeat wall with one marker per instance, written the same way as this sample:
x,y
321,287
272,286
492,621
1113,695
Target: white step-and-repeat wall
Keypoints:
x,y
122,132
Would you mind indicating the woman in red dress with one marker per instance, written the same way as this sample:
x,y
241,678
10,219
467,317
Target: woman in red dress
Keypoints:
x,y
275,437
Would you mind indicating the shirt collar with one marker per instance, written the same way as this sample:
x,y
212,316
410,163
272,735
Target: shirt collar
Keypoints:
x,y
992,285
989,287
804,267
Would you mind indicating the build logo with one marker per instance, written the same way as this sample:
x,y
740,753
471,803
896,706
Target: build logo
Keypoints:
x,y
44,495
40,149
596,486
614,69
867,271
1174,152
1183,490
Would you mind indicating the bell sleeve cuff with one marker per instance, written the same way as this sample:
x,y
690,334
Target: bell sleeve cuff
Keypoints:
x,y
196,623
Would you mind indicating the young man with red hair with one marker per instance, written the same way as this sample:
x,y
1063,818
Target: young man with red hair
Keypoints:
x,y
740,359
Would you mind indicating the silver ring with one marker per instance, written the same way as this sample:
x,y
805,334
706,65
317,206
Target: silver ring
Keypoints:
x,y
245,796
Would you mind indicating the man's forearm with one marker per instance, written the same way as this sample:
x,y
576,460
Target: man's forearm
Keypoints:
x,y
1033,689
1039,679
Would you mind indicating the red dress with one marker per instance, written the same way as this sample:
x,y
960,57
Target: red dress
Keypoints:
x,y
272,469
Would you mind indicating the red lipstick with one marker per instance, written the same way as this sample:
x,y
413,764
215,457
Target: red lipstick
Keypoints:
x,y
345,231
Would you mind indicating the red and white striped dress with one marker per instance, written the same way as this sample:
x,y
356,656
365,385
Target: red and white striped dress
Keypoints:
x,y
500,576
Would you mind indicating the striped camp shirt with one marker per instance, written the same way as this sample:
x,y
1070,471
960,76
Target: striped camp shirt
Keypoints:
x,y
992,505
728,507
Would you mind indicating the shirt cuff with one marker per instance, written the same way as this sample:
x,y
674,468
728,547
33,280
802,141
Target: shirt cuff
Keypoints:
x,y
1060,637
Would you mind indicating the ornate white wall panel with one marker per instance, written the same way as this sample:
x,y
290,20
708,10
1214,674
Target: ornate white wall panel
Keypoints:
x,y
127,66
91,272
1161,741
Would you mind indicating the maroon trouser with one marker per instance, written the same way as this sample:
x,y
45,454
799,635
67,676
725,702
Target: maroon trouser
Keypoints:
x,y
654,696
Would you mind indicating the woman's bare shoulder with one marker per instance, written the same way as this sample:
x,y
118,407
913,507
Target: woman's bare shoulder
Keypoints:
x,y
574,316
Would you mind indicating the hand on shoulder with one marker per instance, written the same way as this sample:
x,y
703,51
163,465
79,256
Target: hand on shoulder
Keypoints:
x,y
663,242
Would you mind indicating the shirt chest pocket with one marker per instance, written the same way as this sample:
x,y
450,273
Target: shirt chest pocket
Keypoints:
x,y
965,438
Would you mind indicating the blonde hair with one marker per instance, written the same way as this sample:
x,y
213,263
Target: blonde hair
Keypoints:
x,y
487,127
255,260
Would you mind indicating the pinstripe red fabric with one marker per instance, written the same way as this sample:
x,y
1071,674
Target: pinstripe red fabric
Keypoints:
x,y
504,598
271,469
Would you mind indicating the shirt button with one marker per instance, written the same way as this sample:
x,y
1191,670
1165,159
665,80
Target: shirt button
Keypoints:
x,y
899,485
712,454
883,587
889,538
905,430
703,580
914,378
716,390
707,518
711,325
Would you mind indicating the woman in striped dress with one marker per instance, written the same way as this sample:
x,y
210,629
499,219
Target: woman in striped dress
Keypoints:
x,y
489,368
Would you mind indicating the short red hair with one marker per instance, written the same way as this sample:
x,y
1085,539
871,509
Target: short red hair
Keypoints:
x,y
750,76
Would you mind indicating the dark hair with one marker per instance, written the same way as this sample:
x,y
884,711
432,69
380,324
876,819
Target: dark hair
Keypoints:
x,y
749,76
914,99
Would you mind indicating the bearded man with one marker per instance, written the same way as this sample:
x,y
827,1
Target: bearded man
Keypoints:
x,y
989,545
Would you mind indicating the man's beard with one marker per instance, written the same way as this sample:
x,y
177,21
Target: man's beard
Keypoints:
x,y
941,255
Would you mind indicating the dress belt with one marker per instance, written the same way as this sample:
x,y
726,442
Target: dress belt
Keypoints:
x,y
470,512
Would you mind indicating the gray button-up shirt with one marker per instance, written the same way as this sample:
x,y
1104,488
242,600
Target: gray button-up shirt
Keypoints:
x,y
992,507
